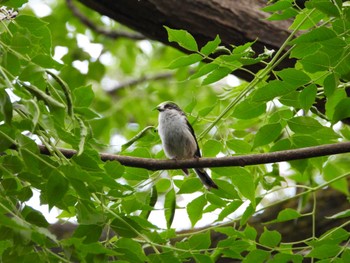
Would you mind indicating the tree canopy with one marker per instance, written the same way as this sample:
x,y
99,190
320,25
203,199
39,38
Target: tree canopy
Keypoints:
x,y
77,91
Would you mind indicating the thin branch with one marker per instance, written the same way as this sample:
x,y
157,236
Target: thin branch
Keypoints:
x,y
108,33
136,81
243,160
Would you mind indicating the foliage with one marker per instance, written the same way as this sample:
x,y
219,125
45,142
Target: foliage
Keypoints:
x,y
57,104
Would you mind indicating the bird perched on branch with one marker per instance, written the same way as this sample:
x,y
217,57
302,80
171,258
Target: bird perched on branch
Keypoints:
x,y
178,138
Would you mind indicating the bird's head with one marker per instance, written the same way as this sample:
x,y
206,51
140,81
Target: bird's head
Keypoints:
x,y
168,105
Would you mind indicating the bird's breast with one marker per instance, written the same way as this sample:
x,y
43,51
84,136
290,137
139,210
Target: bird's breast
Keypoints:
x,y
178,141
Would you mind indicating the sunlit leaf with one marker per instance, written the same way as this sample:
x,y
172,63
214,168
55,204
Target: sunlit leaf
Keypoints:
x,y
195,209
185,61
169,207
183,38
210,47
270,238
216,75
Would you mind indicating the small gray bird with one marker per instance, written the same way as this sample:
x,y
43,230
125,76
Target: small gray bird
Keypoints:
x,y
178,138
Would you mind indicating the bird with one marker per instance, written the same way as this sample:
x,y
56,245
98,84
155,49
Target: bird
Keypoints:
x,y
178,138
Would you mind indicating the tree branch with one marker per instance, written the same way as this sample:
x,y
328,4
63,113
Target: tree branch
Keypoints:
x,y
146,78
243,160
100,30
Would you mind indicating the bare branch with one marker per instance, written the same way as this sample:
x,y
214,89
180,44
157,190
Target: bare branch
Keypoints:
x,y
146,78
243,160
108,33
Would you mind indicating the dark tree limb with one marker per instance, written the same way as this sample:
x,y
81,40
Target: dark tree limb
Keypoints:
x,y
237,22
243,160
99,30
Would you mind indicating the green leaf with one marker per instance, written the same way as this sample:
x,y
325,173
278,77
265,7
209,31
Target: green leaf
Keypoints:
x,y
304,125
14,3
270,238
267,134
5,244
249,212
342,110
286,215
83,96
331,171
248,109
324,251
242,179
90,233
294,77
277,6
38,28
325,6
215,200
190,185
183,38
200,241
306,19
57,187
132,247
273,89
125,227
195,209
185,61
256,256
239,146
333,100
169,207
211,148
34,217
229,209
307,97
317,35
284,14
114,169
152,202
211,46
216,75
46,61
319,61
204,69
5,107
330,83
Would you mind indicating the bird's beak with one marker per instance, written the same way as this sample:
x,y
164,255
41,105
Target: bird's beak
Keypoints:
x,y
157,108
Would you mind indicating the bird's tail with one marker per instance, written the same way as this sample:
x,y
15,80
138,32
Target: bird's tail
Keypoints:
x,y
206,180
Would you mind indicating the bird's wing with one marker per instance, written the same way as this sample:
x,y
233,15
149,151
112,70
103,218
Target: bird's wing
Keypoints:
x,y
197,153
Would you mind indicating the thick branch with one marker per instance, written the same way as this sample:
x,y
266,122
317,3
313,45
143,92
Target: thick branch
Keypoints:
x,y
108,33
252,159
237,22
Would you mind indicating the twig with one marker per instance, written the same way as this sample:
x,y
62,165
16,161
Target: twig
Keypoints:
x,y
251,159
108,33
146,78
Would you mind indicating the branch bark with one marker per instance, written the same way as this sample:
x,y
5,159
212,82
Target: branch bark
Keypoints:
x,y
237,22
243,160
108,33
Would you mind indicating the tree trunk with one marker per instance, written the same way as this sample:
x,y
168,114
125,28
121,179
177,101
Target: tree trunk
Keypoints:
x,y
236,22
